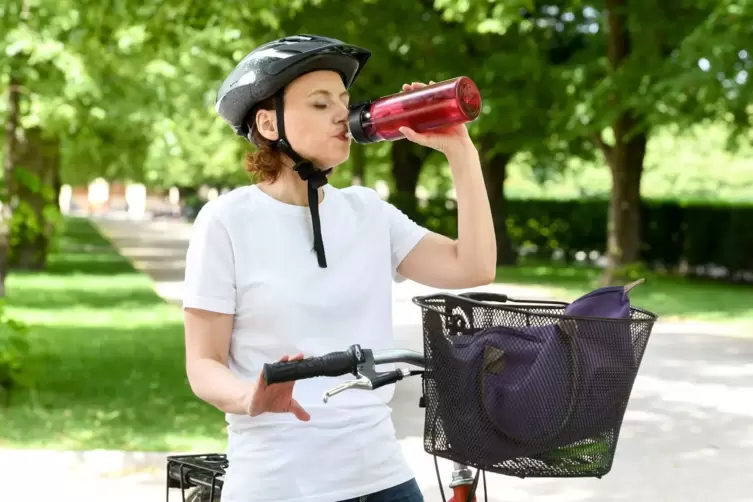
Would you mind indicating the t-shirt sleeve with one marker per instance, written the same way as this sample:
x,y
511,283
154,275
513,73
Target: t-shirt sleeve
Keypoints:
x,y
404,235
209,282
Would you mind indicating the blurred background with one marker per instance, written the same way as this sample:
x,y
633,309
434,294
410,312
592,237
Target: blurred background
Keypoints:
x,y
616,143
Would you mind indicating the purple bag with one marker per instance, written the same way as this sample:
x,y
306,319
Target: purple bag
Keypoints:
x,y
542,378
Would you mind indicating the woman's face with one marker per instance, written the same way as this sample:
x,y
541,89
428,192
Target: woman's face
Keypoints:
x,y
316,114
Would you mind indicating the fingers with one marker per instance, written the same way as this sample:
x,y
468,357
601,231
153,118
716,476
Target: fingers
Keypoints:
x,y
407,132
297,410
296,357
427,140
411,135
416,85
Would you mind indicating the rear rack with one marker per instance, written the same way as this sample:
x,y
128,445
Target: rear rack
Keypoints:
x,y
204,471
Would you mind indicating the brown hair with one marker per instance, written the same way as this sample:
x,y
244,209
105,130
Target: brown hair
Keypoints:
x,y
266,162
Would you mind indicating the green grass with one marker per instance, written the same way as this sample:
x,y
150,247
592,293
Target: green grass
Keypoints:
x,y
672,298
108,358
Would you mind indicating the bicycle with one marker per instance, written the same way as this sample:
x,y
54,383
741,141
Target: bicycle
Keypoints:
x,y
572,450
203,472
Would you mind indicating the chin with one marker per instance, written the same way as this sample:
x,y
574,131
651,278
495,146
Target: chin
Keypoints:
x,y
333,160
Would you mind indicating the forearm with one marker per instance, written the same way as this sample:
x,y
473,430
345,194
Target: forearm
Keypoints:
x,y
214,383
476,243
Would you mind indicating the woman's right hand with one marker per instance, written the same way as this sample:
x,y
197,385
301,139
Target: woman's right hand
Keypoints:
x,y
276,398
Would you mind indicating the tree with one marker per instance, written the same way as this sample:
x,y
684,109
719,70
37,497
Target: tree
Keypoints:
x,y
68,84
711,69
618,95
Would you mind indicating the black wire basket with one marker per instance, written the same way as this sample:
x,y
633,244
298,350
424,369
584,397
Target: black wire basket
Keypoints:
x,y
527,388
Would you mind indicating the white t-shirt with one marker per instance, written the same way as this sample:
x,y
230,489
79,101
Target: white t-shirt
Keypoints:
x,y
252,256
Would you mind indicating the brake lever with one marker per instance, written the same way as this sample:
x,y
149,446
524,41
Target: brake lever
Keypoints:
x,y
366,374
368,378
361,383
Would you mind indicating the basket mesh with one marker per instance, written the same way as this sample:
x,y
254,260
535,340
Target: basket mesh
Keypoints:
x,y
460,422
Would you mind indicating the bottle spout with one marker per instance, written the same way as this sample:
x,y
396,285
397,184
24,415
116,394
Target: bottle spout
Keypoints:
x,y
359,122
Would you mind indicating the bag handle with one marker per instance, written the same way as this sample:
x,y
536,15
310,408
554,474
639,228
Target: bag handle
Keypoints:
x,y
486,297
567,330
446,303
480,296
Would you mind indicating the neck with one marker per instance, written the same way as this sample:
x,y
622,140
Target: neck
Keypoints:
x,y
289,187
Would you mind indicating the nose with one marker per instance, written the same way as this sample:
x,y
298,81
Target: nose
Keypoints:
x,y
341,115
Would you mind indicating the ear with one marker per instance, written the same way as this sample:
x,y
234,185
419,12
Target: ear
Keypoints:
x,y
266,123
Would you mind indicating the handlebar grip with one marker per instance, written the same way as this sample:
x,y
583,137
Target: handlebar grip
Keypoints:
x,y
332,364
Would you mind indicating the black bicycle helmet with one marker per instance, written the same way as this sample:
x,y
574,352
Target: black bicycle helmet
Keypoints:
x,y
264,73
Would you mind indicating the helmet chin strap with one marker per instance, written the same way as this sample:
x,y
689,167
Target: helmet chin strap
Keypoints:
x,y
315,179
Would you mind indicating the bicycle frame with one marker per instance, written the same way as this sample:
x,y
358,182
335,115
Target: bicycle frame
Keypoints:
x,y
462,484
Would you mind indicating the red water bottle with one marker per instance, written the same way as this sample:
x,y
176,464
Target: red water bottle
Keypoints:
x,y
447,103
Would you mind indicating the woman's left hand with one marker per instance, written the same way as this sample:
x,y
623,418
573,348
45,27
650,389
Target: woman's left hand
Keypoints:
x,y
445,139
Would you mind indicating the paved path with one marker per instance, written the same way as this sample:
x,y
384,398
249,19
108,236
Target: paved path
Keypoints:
x,y
687,436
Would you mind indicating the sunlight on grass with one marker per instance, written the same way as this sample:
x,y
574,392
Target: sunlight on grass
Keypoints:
x,y
108,359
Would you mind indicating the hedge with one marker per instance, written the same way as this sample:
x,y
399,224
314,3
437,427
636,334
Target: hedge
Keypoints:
x,y
673,233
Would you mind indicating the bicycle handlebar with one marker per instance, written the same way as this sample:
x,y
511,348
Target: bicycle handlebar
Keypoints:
x,y
357,361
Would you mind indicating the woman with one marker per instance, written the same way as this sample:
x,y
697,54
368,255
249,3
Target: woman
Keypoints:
x,y
255,293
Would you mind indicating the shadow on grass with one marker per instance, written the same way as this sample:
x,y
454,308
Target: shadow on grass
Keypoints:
x,y
41,298
81,249
88,263
122,388
84,272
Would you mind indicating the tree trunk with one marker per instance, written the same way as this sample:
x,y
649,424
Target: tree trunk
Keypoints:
x,y
358,157
40,156
625,159
8,185
494,166
407,161
7,189
626,165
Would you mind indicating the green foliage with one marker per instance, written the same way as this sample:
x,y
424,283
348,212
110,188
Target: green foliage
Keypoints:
x,y
129,89
15,351
585,456
26,223
685,164
35,221
675,236
712,67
